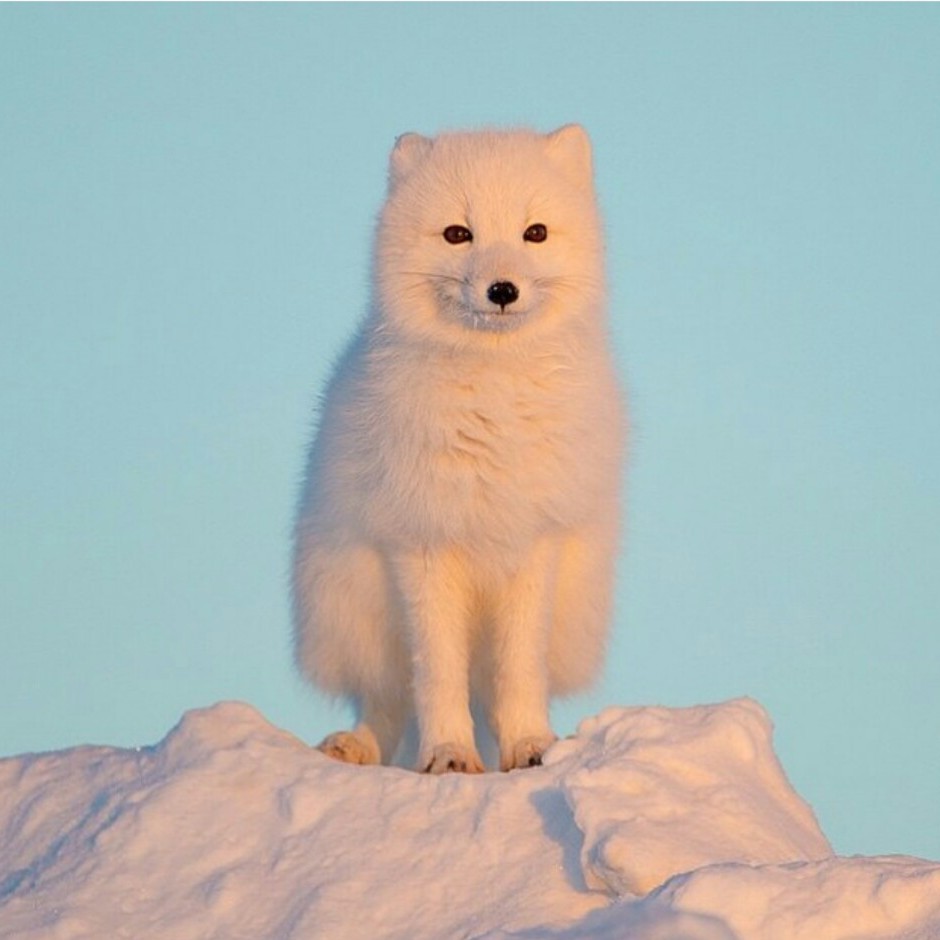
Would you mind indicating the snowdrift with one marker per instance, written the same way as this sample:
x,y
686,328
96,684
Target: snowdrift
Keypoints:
x,y
648,824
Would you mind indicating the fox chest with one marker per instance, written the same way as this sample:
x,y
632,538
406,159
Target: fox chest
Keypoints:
x,y
499,462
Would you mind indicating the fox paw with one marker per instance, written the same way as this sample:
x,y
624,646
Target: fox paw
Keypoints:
x,y
526,752
350,747
451,758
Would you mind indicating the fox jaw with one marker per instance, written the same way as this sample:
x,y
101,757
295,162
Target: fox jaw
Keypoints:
x,y
485,235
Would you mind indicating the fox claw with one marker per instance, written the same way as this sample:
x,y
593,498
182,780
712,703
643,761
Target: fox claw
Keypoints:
x,y
452,758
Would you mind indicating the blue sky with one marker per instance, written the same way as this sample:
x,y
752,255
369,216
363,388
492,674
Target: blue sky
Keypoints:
x,y
188,194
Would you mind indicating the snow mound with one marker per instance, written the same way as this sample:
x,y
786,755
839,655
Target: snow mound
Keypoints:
x,y
657,790
649,824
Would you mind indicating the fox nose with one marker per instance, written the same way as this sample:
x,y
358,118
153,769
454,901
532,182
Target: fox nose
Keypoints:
x,y
503,293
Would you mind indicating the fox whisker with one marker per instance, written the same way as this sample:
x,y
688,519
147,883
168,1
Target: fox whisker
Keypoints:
x,y
436,276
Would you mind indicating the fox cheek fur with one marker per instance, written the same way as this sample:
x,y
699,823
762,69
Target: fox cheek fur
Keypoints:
x,y
458,525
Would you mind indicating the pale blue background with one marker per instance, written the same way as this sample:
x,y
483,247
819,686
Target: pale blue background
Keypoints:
x,y
186,204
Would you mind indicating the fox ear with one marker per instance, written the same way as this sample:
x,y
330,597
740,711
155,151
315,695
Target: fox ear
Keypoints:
x,y
570,147
409,150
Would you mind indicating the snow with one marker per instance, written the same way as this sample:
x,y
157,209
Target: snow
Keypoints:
x,y
648,824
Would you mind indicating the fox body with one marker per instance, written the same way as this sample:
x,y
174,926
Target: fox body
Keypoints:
x,y
458,525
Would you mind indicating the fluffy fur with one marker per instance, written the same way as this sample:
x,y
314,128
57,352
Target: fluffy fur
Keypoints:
x,y
458,526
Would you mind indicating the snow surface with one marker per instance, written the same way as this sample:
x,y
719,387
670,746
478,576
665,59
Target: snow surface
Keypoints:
x,y
648,824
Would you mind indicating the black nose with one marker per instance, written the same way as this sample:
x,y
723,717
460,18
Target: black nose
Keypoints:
x,y
503,293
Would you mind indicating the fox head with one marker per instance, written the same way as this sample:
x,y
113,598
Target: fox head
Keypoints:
x,y
490,234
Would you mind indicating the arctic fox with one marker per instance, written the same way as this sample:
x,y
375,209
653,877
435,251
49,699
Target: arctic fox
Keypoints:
x,y
458,525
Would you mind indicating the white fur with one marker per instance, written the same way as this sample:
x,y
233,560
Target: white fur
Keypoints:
x,y
459,520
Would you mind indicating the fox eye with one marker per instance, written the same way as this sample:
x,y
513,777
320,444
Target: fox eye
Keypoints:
x,y
535,233
456,234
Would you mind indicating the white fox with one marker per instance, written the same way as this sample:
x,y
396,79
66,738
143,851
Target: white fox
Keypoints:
x,y
459,522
